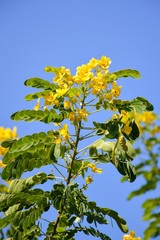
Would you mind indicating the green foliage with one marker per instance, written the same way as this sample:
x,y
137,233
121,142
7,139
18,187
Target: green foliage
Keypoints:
x,y
46,116
40,83
148,168
138,104
30,152
126,73
68,102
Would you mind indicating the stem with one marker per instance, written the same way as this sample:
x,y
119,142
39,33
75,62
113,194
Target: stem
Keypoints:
x,y
78,128
88,128
84,159
89,135
74,154
59,171
113,153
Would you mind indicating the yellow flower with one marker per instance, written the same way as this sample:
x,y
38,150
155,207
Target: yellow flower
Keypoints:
x,y
98,83
72,116
7,133
61,92
82,114
108,96
116,90
63,77
127,129
126,118
131,236
64,132
78,115
146,117
89,180
58,140
104,62
56,102
49,99
93,63
83,74
94,168
66,104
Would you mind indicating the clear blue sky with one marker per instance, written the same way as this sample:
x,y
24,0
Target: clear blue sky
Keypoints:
x,y
37,33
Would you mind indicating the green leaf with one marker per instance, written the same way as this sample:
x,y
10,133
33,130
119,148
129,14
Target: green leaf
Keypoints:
x,y
104,145
148,105
36,143
76,202
130,172
45,116
51,154
40,83
96,218
77,165
104,158
8,143
95,233
110,128
93,152
144,188
113,214
6,220
69,233
126,169
20,185
125,73
138,104
134,132
57,150
149,204
153,230
129,153
6,173
119,220
25,219
36,95
57,195
26,161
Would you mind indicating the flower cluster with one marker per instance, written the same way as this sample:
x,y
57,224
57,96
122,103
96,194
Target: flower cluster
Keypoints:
x,y
78,115
85,73
131,236
145,120
94,75
63,134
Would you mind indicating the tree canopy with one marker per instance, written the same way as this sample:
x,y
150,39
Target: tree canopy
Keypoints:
x,y
73,149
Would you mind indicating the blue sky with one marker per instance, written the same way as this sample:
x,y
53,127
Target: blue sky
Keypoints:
x,y
37,33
